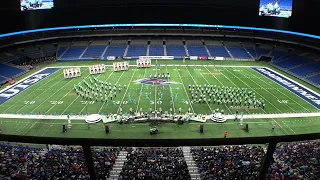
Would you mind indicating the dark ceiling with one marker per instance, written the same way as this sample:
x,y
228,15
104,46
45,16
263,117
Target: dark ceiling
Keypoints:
x,y
217,12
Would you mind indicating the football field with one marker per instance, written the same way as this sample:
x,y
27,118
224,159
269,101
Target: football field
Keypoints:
x,y
55,95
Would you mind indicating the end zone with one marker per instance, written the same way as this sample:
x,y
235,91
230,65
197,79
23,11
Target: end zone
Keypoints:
x,y
9,92
293,86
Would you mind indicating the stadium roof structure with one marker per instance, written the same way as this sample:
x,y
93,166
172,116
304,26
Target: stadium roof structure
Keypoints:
x,y
201,30
159,25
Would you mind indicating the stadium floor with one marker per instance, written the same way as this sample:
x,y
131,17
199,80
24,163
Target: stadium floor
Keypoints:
x,y
55,95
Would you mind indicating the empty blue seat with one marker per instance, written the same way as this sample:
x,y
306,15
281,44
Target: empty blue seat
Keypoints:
x,y
197,50
74,52
315,79
292,62
115,50
61,51
307,69
278,55
2,79
137,50
156,50
175,50
239,52
94,51
218,51
10,71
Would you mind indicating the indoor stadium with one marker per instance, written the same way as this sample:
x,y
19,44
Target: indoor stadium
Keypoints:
x,y
187,90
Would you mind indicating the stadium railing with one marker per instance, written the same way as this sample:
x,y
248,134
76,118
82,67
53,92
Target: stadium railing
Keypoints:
x,y
86,144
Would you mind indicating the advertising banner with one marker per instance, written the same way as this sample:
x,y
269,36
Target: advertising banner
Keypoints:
x,y
111,58
156,57
193,57
202,57
127,57
219,58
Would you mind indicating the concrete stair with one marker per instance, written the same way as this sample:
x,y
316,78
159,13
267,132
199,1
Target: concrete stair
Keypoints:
x,y
228,52
192,167
85,50
126,51
165,50
117,167
186,49
64,52
148,50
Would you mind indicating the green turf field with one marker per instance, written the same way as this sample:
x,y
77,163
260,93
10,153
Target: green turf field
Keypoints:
x,y
258,127
56,95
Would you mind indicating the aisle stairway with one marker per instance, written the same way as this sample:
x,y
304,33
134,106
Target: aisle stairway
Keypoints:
x,y
117,167
192,167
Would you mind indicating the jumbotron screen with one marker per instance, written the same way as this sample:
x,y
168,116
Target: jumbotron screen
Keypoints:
x,y
26,5
276,8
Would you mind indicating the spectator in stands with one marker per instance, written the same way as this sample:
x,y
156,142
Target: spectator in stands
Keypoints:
x,y
229,162
104,160
164,163
18,162
298,160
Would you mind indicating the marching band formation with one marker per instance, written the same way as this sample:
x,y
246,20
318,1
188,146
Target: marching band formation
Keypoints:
x,y
225,95
97,90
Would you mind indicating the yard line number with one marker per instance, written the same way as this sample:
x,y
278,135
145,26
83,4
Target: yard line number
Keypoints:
x,y
87,102
56,102
282,101
29,102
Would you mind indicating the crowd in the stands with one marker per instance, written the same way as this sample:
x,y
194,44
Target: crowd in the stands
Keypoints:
x,y
155,163
20,162
229,162
298,160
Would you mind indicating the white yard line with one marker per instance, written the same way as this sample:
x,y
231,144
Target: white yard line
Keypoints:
x,y
170,89
31,127
110,93
270,102
145,124
228,80
88,103
24,79
275,72
210,83
268,93
260,96
200,91
75,98
261,79
63,96
230,117
185,90
43,93
29,93
155,93
126,91
60,100
141,88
